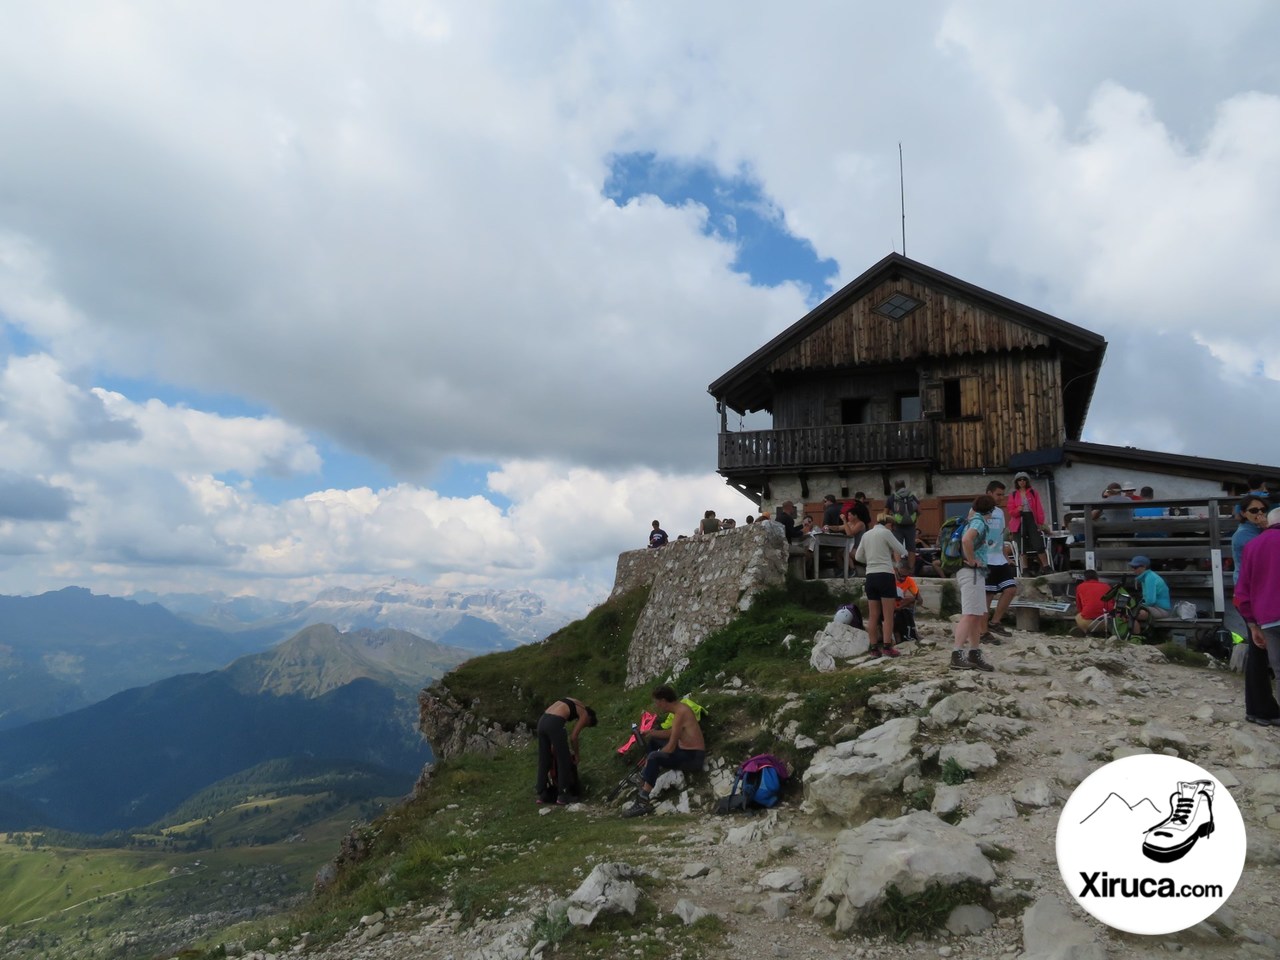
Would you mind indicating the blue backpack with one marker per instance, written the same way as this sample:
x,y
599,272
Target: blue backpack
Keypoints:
x,y
757,784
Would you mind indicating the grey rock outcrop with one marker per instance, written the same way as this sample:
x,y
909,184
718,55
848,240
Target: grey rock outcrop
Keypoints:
x,y
848,780
836,641
696,586
609,888
453,730
1051,932
909,853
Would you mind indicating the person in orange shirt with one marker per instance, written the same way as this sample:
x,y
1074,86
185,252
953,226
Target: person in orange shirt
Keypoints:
x,y
904,612
1089,603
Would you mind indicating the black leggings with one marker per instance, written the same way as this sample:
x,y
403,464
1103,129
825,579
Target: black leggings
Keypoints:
x,y
553,748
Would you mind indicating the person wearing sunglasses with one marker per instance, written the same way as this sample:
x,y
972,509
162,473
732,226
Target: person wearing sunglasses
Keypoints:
x,y
1260,704
1257,596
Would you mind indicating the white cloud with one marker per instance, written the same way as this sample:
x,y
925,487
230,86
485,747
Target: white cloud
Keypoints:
x,y
388,231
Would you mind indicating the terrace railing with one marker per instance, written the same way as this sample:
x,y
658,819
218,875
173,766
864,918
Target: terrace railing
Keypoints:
x,y
870,444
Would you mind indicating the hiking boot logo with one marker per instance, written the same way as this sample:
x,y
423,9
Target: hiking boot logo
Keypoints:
x,y
1126,856
1190,818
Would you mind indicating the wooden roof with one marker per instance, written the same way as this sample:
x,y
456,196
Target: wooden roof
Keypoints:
x,y
957,319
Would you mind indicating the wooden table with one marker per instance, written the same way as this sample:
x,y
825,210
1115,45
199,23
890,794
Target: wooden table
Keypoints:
x,y
820,540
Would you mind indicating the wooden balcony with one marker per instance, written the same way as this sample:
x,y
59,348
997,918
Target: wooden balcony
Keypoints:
x,y
863,444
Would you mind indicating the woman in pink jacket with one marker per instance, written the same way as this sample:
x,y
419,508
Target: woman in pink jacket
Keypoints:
x,y
1025,519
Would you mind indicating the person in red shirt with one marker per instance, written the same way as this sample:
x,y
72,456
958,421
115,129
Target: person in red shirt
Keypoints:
x,y
1089,603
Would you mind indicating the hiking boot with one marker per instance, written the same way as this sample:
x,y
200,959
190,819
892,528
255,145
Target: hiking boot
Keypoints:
x,y
567,798
1000,629
1262,721
875,651
958,661
977,663
990,638
1190,818
890,652
641,808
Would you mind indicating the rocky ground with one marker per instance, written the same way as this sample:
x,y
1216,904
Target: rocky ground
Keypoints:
x,y
1053,711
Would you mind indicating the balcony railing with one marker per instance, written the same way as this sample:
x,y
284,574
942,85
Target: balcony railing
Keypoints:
x,y
870,444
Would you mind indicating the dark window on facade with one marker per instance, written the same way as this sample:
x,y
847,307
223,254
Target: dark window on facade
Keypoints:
x,y
909,406
959,398
854,411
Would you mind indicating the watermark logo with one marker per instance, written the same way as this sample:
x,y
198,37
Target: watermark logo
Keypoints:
x,y
1151,844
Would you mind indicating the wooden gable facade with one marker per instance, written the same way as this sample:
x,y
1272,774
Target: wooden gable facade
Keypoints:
x,y
907,367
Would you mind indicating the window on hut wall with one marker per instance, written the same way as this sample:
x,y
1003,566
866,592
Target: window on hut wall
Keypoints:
x,y
959,398
855,410
909,407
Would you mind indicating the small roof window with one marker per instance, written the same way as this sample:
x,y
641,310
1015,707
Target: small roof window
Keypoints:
x,y
897,306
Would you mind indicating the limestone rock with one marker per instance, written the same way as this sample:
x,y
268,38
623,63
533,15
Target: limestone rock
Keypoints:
x,y
689,912
946,799
1034,793
1051,932
957,708
1157,736
969,918
777,906
786,878
836,641
1253,751
973,757
846,780
909,852
985,820
906,699
607,889
991,727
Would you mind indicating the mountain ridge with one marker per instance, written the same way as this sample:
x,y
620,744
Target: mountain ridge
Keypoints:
x,y
321,694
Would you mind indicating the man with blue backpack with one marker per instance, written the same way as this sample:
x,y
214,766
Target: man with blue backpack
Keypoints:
x,y
971,578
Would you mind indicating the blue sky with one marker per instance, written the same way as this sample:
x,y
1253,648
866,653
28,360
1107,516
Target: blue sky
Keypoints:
x,y
738,210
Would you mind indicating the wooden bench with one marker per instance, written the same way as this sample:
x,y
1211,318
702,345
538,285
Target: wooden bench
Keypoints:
x,y
1027,613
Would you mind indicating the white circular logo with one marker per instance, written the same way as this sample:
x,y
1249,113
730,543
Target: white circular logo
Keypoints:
x,y
1151,844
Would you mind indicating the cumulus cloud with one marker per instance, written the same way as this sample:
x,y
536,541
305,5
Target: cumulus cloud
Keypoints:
x,y
389,231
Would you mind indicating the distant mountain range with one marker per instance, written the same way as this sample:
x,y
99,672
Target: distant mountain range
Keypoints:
x,y
480,620
127,761
66,649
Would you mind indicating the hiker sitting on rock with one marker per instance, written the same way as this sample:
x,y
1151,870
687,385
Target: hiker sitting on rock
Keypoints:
x,y
685,748
560,751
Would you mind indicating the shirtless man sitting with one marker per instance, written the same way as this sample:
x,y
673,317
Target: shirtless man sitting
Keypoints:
x,y
685,748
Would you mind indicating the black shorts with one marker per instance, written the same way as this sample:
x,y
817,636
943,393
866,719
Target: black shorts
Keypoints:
x,y
881,586
1000,578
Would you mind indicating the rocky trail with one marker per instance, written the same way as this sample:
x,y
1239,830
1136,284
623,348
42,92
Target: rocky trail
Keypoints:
x,y
1054,710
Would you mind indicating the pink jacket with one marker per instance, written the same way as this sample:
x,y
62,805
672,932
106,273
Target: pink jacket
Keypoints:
x,y
1257,593
1014,506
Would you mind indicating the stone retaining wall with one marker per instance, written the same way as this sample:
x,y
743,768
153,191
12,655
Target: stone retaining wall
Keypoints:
x,y
696,586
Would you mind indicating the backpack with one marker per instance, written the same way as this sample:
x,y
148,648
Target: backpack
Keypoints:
x,y
951,545
852,618
905,508
758,783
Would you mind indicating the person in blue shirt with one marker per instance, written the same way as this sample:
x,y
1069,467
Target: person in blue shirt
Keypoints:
x,y
1155,595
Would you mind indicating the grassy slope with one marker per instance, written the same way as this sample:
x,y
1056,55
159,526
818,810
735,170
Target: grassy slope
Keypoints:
x,y
85,896
475,837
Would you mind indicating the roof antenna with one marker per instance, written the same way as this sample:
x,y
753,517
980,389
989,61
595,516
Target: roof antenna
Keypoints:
x,y
902,196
